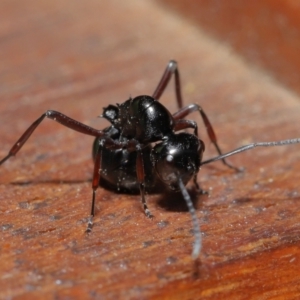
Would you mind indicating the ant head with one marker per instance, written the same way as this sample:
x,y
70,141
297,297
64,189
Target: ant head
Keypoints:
x,y
178,155
111,113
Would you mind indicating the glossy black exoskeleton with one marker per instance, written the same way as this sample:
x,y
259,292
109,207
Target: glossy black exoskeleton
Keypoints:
x,y
142,148
143,119
118,167
180,153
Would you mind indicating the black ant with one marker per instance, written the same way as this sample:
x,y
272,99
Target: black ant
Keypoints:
x,y
142,149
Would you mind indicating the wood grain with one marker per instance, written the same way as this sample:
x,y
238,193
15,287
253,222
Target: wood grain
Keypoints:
x,y
266,33
77,57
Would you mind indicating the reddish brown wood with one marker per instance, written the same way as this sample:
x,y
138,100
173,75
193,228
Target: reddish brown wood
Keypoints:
x,y
267,32
77,57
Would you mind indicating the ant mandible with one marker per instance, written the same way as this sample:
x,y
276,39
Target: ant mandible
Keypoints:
x,y
126,157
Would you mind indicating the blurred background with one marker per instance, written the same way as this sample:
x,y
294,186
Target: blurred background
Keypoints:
x,y
265,33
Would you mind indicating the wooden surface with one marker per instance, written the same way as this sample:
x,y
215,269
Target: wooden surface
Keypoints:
x,y
265,32
77,57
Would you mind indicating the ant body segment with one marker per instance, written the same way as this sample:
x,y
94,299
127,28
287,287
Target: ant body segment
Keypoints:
x,y
143,148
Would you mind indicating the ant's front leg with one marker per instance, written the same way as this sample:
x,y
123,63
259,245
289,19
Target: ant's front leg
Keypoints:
x,y
95,183
108,143
140,171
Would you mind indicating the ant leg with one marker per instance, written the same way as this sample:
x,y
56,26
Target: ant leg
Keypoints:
x,y
198,188
95,184
77,126
185,124
141,179
109,143
58,117
212,136
170,70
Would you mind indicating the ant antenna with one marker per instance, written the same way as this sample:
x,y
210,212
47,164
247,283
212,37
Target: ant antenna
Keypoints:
x,y
196,226
251,146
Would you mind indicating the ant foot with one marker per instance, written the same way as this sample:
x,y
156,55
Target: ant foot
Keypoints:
x,y
148,214
232,167
90,225
202,192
